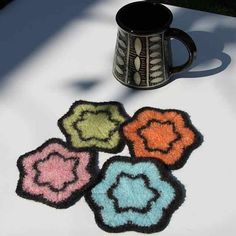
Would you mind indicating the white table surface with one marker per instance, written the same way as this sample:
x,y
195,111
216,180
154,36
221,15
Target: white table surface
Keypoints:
x,y
55,52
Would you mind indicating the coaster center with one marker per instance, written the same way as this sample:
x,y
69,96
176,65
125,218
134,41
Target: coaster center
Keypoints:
x,y
159,135
96,125
133,193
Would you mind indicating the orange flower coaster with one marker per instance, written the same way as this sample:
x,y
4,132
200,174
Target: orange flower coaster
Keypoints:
x,y
167,135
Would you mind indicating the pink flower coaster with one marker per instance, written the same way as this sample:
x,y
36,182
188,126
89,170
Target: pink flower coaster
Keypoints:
x,y
55,174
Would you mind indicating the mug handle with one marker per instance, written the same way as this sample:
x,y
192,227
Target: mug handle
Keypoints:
x,y
189,44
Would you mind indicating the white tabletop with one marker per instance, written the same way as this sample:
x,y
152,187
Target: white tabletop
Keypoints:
x,y
55,52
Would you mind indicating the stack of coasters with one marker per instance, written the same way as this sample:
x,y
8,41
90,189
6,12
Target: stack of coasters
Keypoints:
x,y
135,193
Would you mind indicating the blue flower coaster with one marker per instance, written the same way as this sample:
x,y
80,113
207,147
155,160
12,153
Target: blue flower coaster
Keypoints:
x,y
135,194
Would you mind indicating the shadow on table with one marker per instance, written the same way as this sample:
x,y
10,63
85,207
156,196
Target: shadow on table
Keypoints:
x,y
84,84
210,45
207,52
3,3
26,25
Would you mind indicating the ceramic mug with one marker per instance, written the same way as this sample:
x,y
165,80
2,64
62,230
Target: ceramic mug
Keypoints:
x,y
143,58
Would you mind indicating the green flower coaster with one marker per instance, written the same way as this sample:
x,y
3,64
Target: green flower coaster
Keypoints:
x,y
94,125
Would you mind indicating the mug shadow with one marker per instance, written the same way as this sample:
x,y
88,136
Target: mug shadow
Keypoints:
x,y
210,43
209,47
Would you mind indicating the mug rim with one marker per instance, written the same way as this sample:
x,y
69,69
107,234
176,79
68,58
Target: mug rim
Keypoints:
x,y
144,32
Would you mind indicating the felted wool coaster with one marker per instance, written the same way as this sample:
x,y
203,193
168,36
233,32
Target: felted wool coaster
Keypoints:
x,y
94,125
134,194
167,135
55,174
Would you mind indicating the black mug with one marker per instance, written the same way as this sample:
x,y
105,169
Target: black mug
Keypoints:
x,y
143,58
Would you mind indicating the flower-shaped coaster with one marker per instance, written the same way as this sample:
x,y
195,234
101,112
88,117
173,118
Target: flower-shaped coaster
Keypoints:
x,y
55,175
137,194
167,135
94,125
